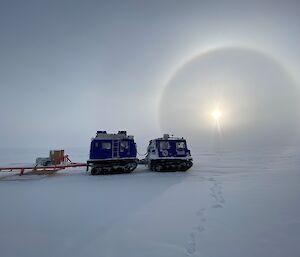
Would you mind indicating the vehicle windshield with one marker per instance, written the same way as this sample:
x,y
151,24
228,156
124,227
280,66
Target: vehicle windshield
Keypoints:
x,y
180,145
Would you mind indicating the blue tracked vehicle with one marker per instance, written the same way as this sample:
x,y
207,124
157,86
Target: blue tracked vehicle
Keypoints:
x,y
168,154
112,153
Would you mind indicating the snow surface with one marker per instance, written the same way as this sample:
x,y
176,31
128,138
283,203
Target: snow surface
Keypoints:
x,y
230,204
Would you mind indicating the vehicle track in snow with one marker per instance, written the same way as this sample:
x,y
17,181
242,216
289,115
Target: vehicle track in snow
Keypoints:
x,y
216,194
215,191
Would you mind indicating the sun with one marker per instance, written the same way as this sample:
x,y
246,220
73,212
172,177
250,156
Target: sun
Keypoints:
x,y
216,114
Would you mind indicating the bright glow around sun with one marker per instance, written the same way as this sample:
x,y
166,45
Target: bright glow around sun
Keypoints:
x,y
216,114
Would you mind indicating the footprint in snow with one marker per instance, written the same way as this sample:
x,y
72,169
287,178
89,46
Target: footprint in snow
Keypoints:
x,y
216,206
200,212
191,248
200,229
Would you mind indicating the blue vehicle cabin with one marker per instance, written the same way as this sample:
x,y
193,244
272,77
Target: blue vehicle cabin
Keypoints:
x,y
112,152
168,154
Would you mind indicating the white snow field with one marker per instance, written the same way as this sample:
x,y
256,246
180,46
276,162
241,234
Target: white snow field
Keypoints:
x,y
229,204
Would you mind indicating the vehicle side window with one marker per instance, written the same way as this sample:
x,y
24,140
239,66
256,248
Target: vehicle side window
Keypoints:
x,y
124,145
164,145
96,145
180,146
106,145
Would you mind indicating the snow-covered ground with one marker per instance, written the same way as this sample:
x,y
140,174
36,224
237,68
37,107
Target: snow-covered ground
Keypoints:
x,y
230,204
